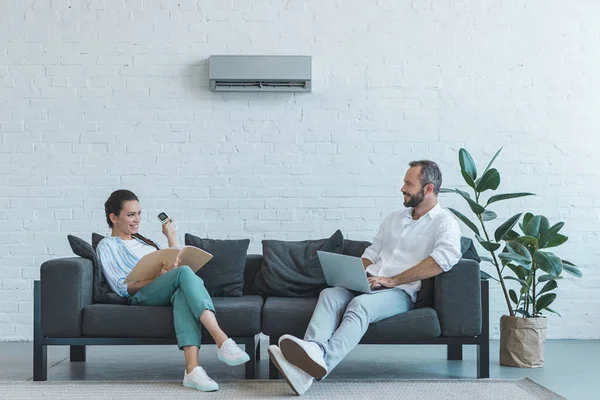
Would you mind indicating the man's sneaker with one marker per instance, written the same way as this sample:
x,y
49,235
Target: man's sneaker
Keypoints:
x,y
199,380
231,354
305,355
298,380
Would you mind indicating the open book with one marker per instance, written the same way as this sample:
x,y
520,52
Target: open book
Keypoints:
x,y
150,265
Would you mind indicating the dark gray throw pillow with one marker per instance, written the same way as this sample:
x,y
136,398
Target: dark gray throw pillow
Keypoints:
x,y
223,275
355,248
102,292
292,269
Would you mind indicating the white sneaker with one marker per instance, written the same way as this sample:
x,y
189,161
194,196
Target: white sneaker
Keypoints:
x,y
298,380
305,355
231,354
199,380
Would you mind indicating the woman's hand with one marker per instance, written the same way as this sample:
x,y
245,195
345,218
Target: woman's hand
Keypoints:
x,y
170,233
167,231
166,268
381,281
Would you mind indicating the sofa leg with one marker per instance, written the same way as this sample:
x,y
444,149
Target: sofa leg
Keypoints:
x,y
455,352
250,347
258,348
483,348
77,353
40,351
483,360
40,361
273,371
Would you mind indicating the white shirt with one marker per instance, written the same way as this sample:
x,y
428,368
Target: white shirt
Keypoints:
x,y
138,248
401,243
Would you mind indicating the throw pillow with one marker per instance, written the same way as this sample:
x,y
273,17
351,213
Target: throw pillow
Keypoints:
x,y
292,269
223,275
102,293
355,248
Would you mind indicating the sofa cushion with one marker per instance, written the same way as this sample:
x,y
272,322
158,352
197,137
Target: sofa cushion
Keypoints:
x,y
425,294
282,315
223,275
287,315
355,248
102,293
292,269
239,316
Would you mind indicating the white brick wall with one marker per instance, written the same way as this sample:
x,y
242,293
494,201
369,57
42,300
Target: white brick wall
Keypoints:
x,y
102,94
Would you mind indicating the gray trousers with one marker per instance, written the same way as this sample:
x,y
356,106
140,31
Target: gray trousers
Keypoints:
x,y
342,317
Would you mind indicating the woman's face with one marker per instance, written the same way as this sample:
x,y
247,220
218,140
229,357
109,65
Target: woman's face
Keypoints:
x,y
128,220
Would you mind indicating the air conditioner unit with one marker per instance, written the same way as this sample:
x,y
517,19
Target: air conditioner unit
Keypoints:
x,y
260,73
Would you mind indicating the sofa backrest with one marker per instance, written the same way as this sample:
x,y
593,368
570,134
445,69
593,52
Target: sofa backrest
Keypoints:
x,y
253,262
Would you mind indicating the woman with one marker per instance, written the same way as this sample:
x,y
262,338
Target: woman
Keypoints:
x,y
192,304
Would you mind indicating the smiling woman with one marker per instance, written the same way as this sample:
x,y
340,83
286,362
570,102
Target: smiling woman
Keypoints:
x,y
174,285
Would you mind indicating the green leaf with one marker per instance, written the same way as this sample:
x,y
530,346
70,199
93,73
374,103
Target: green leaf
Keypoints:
x,y
554,229
475,207
526,218
548,262
511,235
523,313
506,227
489,181
446,190
521,281
465,220
507,196
544,278
568,263
467,164
515,258
551,285
486,258
552,311
513,296
537,226
488,215
519,271
544,301
489,246
572,270
556,240
468,179
518,249
527,241
485,275
492,161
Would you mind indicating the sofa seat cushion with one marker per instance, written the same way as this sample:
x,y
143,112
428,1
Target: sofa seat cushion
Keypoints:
x,y
237,316
291,315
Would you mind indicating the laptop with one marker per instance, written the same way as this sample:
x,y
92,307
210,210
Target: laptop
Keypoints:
x,y
347,272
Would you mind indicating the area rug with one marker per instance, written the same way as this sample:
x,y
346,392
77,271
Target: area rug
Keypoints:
x,y
264,389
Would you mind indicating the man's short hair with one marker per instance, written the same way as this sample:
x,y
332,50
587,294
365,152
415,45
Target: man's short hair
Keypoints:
x,y
430,173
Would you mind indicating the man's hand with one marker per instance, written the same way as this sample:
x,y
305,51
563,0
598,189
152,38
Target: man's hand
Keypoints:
x,y
381,281
366,262
166,268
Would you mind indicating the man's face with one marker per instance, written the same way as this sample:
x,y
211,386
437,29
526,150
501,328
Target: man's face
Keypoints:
x,y
412,190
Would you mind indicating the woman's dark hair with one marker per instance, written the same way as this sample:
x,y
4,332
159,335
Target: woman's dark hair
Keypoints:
x,y
114,205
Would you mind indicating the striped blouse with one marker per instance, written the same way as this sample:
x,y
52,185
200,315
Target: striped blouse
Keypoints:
x,y
117,262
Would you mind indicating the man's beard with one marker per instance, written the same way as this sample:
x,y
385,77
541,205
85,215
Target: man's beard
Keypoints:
x,y
415,199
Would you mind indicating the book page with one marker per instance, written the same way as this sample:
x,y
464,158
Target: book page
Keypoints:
x,y
150,265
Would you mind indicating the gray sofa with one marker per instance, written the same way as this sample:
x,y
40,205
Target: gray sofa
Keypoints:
x,y
64,314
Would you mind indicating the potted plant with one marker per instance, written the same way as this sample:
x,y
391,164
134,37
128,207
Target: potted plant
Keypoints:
x,y
519,257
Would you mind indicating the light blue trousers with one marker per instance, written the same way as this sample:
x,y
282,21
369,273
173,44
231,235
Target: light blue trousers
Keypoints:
x,y
342,317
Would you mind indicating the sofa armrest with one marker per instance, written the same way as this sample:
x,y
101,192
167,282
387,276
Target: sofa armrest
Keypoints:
x,y
457,300
66,288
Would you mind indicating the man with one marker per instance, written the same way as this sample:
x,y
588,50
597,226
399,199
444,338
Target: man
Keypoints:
x,y
412,244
